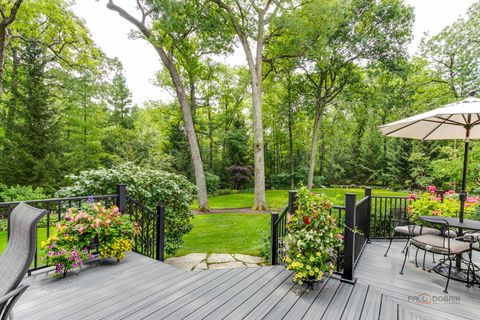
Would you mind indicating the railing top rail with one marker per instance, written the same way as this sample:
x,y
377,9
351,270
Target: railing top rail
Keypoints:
x,y
280,216
365,199
339,207
390,197
137,203
4,204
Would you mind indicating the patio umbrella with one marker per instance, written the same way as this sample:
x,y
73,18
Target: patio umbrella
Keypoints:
x,y
460,120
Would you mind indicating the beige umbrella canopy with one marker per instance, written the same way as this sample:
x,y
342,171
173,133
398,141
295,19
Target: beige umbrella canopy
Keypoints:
x,y
449,122
460,120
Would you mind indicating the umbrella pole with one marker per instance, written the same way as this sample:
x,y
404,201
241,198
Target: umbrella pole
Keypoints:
x,y
463,193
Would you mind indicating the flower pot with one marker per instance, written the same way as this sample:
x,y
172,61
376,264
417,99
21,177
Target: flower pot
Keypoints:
x,y
313,282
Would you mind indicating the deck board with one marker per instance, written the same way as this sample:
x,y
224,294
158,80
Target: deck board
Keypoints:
x,y
142,288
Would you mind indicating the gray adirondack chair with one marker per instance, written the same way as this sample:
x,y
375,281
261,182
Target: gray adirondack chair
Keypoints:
x,y
18,255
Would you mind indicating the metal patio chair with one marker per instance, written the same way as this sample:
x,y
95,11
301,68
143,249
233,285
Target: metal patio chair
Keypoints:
x,y
444,245
18,255
402,226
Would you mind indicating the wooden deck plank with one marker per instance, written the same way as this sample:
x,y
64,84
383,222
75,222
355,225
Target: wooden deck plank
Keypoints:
x,y
286,303
322,301
373,302
389,309
82,295
178,299
163,295
339,302
205,308
302,305
356,302
264,284
183,307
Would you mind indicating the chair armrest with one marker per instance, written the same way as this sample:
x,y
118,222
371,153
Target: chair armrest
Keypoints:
x,y
14,293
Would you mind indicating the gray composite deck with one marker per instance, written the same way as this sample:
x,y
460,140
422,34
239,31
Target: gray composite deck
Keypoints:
x,y
142,288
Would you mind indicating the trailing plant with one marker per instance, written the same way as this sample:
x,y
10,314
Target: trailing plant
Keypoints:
x,y
82,227
313,239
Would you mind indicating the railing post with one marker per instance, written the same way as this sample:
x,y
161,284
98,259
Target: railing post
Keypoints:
x,y
368,193
292,198
160,248
274,239
122,197
349,239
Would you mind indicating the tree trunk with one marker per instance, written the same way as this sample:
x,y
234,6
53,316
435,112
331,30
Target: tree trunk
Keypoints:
x,y
290,136
6,21
258,151
313,154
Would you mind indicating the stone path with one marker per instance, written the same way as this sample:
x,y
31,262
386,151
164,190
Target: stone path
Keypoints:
x,y
204,261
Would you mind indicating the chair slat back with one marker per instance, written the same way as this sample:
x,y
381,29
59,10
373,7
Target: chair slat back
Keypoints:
x,y
20,250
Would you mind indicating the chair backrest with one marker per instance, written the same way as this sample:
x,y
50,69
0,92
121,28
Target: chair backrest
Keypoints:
x,y
399,216
20,250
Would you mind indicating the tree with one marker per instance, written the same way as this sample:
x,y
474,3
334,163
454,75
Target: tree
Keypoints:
x,y
8,14
120,98
177,41
351,33
250,20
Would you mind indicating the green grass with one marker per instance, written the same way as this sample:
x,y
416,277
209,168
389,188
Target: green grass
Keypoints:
x,y
226,233
278,198
42,236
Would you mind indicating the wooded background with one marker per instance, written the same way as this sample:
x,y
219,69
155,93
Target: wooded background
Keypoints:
x,y
321,76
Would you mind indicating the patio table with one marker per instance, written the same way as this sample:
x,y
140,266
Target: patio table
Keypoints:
x,y
458,273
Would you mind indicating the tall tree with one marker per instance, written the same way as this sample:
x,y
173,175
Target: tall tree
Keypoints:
x,y
176,41
250,20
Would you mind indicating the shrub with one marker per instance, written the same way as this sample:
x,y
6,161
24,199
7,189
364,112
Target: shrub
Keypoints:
x,y
150,187
212,181
429,204
310,247
224,192
20,193
265,243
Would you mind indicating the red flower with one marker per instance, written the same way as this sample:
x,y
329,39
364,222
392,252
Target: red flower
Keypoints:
x,y
306,219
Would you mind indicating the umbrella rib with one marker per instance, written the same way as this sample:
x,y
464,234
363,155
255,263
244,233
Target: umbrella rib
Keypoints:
x,y
401,128
438,126
451,121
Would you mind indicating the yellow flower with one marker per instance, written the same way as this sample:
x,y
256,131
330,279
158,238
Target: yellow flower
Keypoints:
x,y
54,238
43,244
317,270
318,254
299,255
311,273
288,259
308,267
300,282
312,258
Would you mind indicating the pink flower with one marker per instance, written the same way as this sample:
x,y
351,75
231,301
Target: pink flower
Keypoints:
x,y
339,236
412,196
289,217
431,189
115,209
97,222
436,212
108,221
80,229
450,192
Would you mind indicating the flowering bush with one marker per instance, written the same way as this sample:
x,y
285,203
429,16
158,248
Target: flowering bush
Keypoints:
x,y
429,203
310,247
82,227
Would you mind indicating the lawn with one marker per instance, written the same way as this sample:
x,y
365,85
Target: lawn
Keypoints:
x,y
226,233
278,198
42,235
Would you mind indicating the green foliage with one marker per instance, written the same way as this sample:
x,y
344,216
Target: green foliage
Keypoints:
x,y
111,230
150,187
20,193
310,248
213,182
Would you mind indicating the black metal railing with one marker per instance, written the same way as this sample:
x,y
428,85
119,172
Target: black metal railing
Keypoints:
x,y
150,238
381,222
354,215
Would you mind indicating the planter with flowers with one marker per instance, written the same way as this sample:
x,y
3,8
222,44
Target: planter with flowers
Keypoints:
x,y
313,240
92,224
430,204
